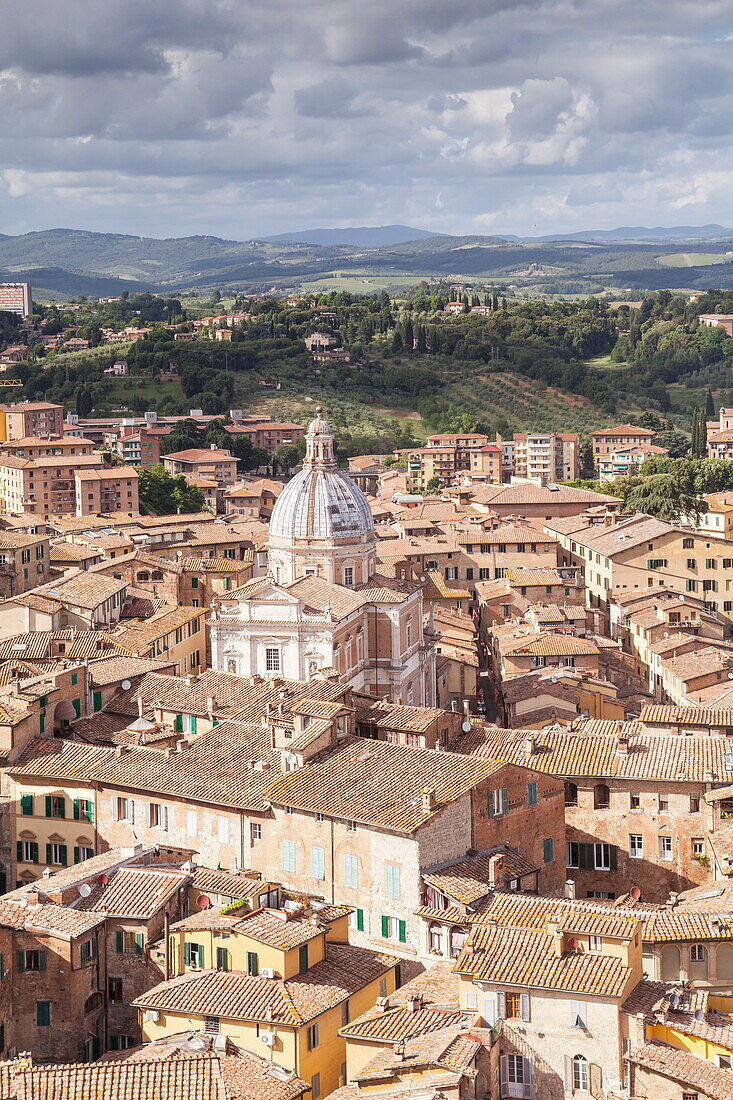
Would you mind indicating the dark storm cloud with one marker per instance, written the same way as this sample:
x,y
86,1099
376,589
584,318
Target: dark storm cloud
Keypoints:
x,y
163,116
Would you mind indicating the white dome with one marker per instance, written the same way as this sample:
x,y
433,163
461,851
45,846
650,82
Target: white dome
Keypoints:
x,y
321,502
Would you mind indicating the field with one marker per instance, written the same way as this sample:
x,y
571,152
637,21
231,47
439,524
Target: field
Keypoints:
x,y
693,259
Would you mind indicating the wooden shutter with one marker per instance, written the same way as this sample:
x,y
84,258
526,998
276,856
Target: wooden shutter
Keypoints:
x,y
48,805
62,807
34,851
187,954
19,851
524,1006
76,809
77,854
578,1011
63,853
21,962
48,853
179,723
202,955
97,700
138,943
385,927
568,1066
26,804
253,963
489,1011
360,920
222,958
402,931
503,1072
164,817
595,1081
41,960
613,857
505,800
115,808
500,1006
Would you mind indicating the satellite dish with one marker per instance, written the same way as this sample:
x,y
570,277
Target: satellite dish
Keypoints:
x,y
635,893
666,634
553,679
466,726
85,890
126,685
102,880
203,902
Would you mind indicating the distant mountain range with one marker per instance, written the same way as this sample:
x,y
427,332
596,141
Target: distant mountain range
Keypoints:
x,y
68,262
364,236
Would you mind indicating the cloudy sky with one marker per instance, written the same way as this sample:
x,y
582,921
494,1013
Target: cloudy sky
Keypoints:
x,y
246,117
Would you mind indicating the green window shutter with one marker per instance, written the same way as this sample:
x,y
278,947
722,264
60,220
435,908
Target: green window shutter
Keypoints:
x,y
202,956
402,931
74,679
48,853
19,851
532,794
21,962
360,920
187,954
505,800
585,856
303,958
253,963
194,582
63,852
385,927
62,807
120,944
76,704
222,958
43,1013
76,809
26,804
34,851
194,723
138,943
77,854
114,1042
179,723
613,852
48,805
397,976
41,960
2,966
97,700
547,850
42,724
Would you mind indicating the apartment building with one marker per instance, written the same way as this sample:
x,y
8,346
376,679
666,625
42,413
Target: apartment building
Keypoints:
x,y
287,980
446,457
634,800
16,298
208,463
30,418
37,446
608,442
626,461
538,504
544,457
267,434
176,635
24,562
78,485
519,648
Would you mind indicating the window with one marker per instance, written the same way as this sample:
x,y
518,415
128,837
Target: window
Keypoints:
x,y
531,794
601,796
663,803
43,1013
88,951
272,659
634,801
26,805
547,850
312,1036
571,794
124,810
92,1002
688,544
595,943
392,874
724,1061
665,848
578,1013
222,958
356,920
580,1073
27,851
572,854
114,990
408,633
82,852
351,872
515,1072
32,962
253,964
636,846
56,854
315,1086
55,805
694,803
698,953
288,855
698,846
83,810
394,929
350,826
348,575
318,864
498,802
255,832
211,1025
131,943
603,857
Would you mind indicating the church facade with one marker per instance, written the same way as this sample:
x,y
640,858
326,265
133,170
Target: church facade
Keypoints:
x,y
322,608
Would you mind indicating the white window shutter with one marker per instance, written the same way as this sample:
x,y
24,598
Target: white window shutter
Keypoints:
x,y
131,810
115,808
148,813
527,1078
524,1006
568,1073
500,1007
164,817
503,1072
489,1011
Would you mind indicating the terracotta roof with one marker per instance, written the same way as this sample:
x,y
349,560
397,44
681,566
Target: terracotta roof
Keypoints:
x,y
449,1049
111,670
380,784
623,429
291,1001
397,716
138,637
136,892
54,919
201,454
651,997
522,956
687,716
227,885
686,1068
466,880
545,644
124,1080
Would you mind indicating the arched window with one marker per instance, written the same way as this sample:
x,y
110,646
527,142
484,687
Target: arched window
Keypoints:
x,y
670,963
436,939
601,796
698,968
571,794
580,1073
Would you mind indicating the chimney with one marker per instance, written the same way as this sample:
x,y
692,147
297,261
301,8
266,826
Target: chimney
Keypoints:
x,y
33,898
210,706
382,1004
570,889
414,1003
120,750
428,800
622,746
496,870
554,932
528,745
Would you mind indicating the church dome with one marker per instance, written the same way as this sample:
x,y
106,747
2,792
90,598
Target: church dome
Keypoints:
x,y
321,502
